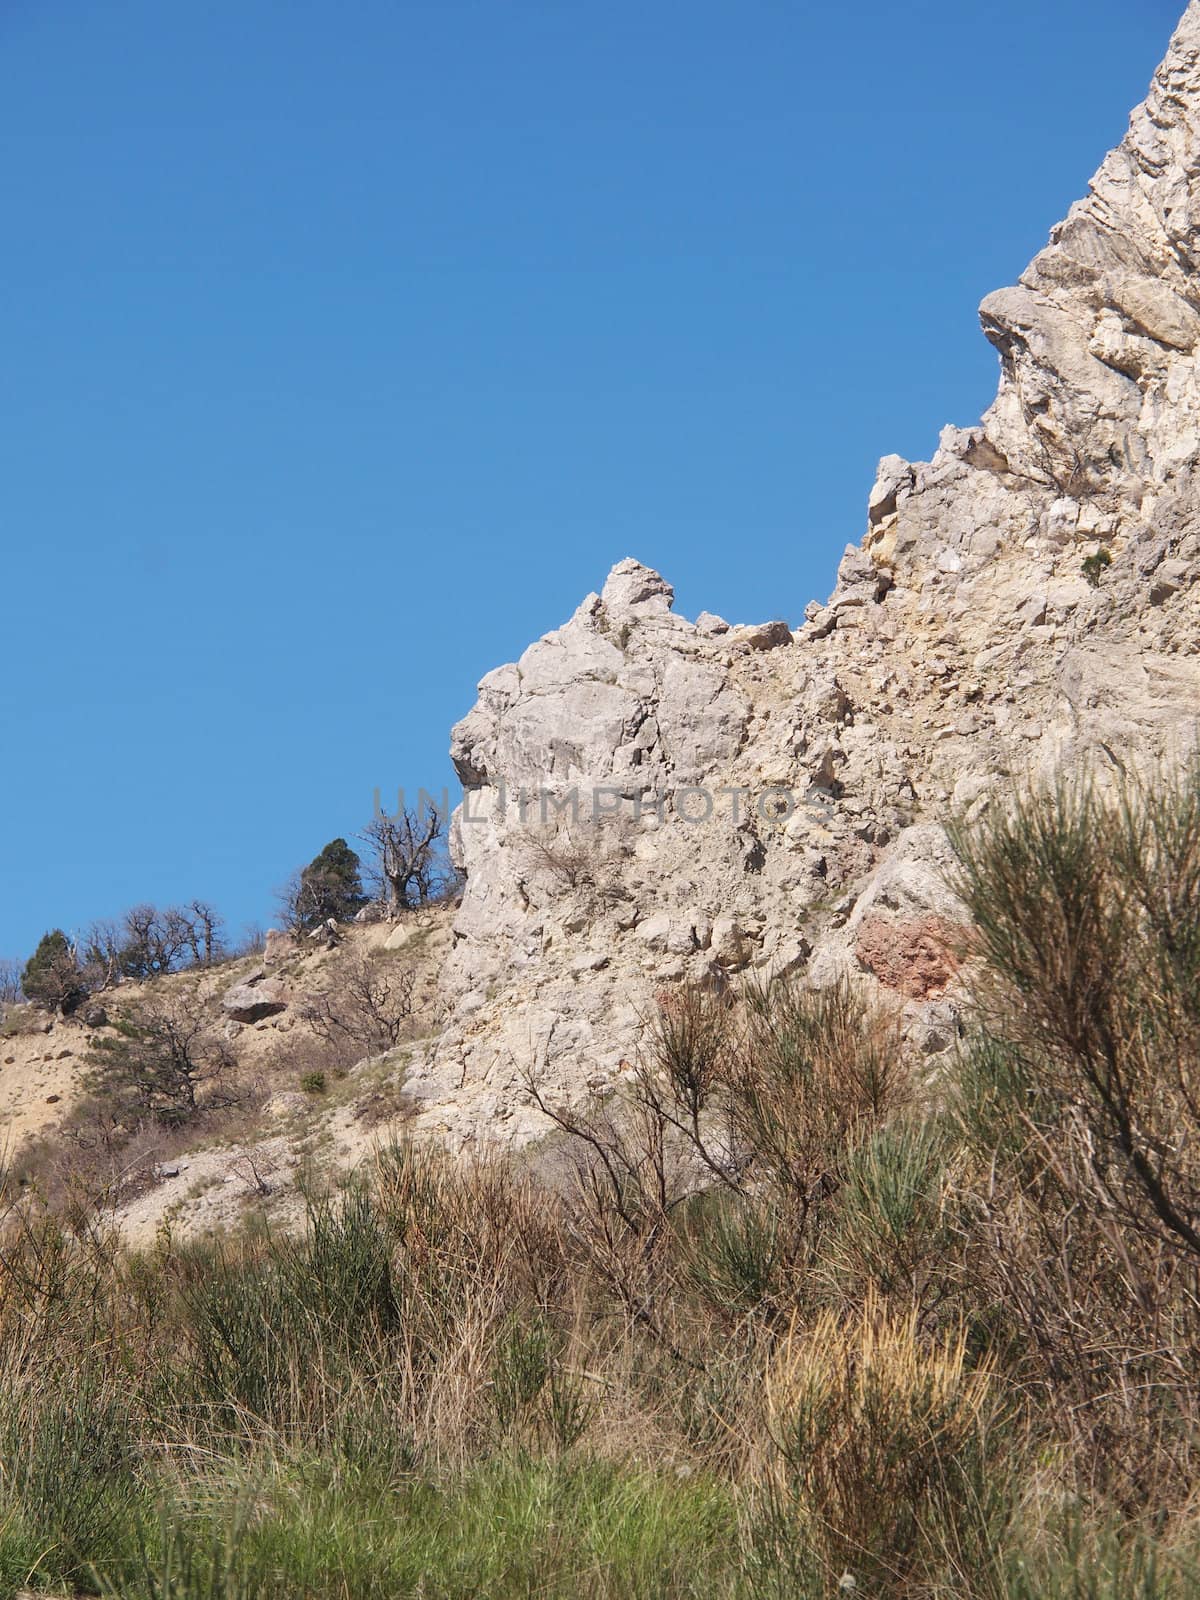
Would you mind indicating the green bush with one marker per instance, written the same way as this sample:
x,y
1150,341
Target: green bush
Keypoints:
x,y
1095,565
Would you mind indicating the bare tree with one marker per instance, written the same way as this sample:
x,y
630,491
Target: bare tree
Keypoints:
x,y
370,1008
102,951
166,1062
291,900
408,864
253,940
204,931
149,941
10,983
155,941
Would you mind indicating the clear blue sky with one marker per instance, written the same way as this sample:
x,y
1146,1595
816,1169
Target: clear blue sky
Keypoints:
x,y
346,347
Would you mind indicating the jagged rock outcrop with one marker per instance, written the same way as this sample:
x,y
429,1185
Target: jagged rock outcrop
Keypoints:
x,y
648,800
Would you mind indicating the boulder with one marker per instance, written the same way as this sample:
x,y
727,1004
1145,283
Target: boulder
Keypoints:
x,y
254,999
729,944
766,635
710,626
279,946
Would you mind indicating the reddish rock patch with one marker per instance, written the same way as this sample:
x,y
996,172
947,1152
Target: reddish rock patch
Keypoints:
x,y
918,957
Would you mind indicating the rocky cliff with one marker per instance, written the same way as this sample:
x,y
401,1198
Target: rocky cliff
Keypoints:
x,y
649,800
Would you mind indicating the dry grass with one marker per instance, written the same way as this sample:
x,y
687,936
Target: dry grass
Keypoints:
x,y
881,1436
792,1328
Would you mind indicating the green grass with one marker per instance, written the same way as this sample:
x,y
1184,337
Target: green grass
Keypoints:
x,y
516,1527
267,1528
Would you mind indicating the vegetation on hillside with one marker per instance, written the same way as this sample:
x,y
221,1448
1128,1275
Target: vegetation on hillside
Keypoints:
x,y
775,1320
329,888
146,942
51,976
408,867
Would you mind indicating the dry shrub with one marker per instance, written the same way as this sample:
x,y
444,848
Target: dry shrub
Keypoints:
x,y
895,1226
368,1012
298,1054
720,1162
1088,918
579,857
165,1063
886,1442
480,1219
1079,1102
818,1069
162,1074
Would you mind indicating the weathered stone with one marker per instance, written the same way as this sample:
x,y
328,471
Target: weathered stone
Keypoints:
x,y
918,957
278,946
729,944
1169,578
969,590
895,475
766,636
255,999
711,626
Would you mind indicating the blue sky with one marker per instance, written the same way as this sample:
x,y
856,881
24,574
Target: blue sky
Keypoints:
x,y
346,347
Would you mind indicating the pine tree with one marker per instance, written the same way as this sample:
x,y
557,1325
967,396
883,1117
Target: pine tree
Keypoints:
x,y
52,977
330,886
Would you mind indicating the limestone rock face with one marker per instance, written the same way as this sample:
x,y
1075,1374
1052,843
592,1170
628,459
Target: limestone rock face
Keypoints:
x,y
648,800
1099,396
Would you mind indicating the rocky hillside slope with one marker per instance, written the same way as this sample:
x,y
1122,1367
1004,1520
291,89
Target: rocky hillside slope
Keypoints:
x,y
307,1093
758,799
